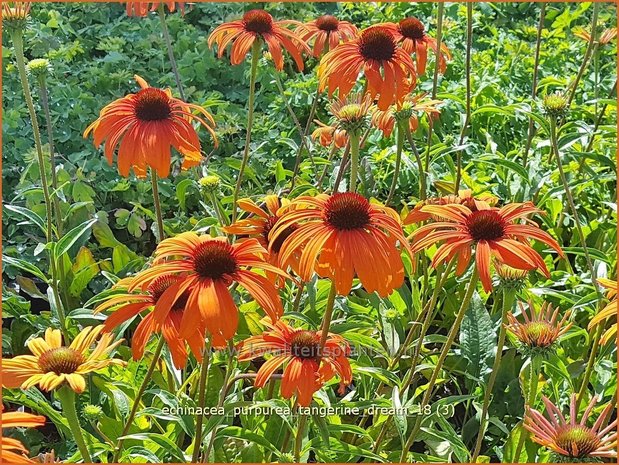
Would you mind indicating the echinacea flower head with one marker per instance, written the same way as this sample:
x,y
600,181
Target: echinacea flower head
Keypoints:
x,y
487,232
39,68
145,126
539,331
259,25
605,37
411,34
465,197
138,8
329,135
341,236
389,71
510,278
15,15
572,440
352,114
407,112
307,366
259,224
12,450
52,364
126,305
327,32
210,183
206,267
555,104
610,311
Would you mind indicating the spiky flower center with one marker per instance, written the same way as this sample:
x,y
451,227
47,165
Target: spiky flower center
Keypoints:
x,y
305,345
276,245
327,23
152,104
214,259
577,440
347,211
377,43
62,360
485,225
539,333
258,21
412,28
160,284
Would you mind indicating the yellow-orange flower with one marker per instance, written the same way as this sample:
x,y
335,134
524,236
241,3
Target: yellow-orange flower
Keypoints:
x,y
53,364
610,311
138,8
260,25
327,31
12,450
308,367
206,267
606,36
539,330
491,232
411,34
465,197
385,119
328,135
388,69
145,126
126,305
341,236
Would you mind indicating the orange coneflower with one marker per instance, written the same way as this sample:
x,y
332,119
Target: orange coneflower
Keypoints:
x,y
259,25
259,225
388,69
126,305
328,135
464,197
327,32
610,311
573,439
12,450
385,119
53,364
411,34
145,126
343,235
606,36
490,231
308,367
138,8
540,330
206,267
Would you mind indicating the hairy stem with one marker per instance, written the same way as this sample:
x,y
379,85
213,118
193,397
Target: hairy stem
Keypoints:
x,y
467,118
168,42
157,202
201,399
66,395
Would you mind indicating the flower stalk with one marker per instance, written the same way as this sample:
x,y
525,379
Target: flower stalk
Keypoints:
x,y
170,48
401,131
354,161
201,400
66,395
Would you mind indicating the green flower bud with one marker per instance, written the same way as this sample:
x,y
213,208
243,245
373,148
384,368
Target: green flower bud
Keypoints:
x,y
210,183
92,412
555,105
39,67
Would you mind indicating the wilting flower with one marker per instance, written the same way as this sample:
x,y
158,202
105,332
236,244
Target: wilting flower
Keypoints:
x,y
259,25
53,364
465,197
145,126
385,119
259,225
328,135
411,34
327,31
137,8
206,267
15,15
610,311
343,235
352,113
493,232
572,439
308,367
388,69
606,36
127,305
539,331
12,450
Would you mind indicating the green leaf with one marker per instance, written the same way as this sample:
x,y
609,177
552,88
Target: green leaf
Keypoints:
x,y
79,233
477,337
30,215
24,266
181,191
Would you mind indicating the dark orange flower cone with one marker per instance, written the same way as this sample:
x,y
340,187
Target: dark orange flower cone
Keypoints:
x,y
138,8
326,31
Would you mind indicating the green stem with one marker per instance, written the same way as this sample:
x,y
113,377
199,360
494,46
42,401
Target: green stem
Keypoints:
x,y
298,442
66,395
422,174
168,42
156,200
138,398
297,299
255,56
327,166
398,160
590,364
354,161
467,73
297,162
451,337
201,399
328,315
508,300
534,368
587,57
